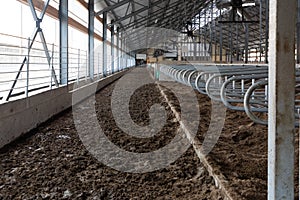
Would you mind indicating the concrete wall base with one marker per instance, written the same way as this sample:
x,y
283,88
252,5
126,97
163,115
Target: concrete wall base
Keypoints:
x,y
20,116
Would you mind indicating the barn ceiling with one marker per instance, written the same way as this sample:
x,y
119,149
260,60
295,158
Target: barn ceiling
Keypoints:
x,y
214,21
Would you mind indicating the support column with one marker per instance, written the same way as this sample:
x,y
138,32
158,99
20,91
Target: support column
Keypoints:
x,y
231,44
104,52
281,148
298,33
112,29
237,46
125,54
215,40
246,43
122,53
260,29
267,33
195,50
118,49
63,41
91,39
211,30
205,39
221,41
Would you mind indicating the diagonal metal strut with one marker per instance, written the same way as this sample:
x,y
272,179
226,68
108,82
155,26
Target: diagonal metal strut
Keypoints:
x,y
36,31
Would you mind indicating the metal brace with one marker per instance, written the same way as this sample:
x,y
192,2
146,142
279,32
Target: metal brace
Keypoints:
x,y
36,31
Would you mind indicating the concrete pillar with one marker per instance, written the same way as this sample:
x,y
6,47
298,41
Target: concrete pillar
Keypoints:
x,y
63,41
91,39
104,60
281,100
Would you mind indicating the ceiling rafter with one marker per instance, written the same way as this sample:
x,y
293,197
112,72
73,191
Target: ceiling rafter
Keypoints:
x,y
145,19
111,7
138,11
174,14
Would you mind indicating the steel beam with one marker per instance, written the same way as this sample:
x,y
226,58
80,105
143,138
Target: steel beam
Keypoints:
x,y
145,19
33,12
125,53
260,29
221,43
112,7
91,39
63,40
237,46
298,33
205,33
104,52
138,11
231,44
118,49
246,43
267,33
112,31
211,30
122,51
281,114
114,13
36,31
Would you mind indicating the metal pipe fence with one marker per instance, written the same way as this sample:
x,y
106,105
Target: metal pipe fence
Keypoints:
x,y
240,88
27,69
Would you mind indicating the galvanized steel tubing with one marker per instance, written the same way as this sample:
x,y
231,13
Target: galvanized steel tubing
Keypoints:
x,y
239,87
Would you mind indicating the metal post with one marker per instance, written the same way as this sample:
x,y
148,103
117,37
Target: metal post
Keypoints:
x,y
52,64
98,71
246,43
63,41
112,29
281,106
104,52
121,53
39,31
78,67
211,30
267,32
231,45
204,41
27,71
86,67
200,38
298,62
125,53
91,39
237,47
118,49
215,41
195,50
260,29
221,43
298,33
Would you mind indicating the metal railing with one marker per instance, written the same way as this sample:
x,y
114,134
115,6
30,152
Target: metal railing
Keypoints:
x,y
25,69
240,88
